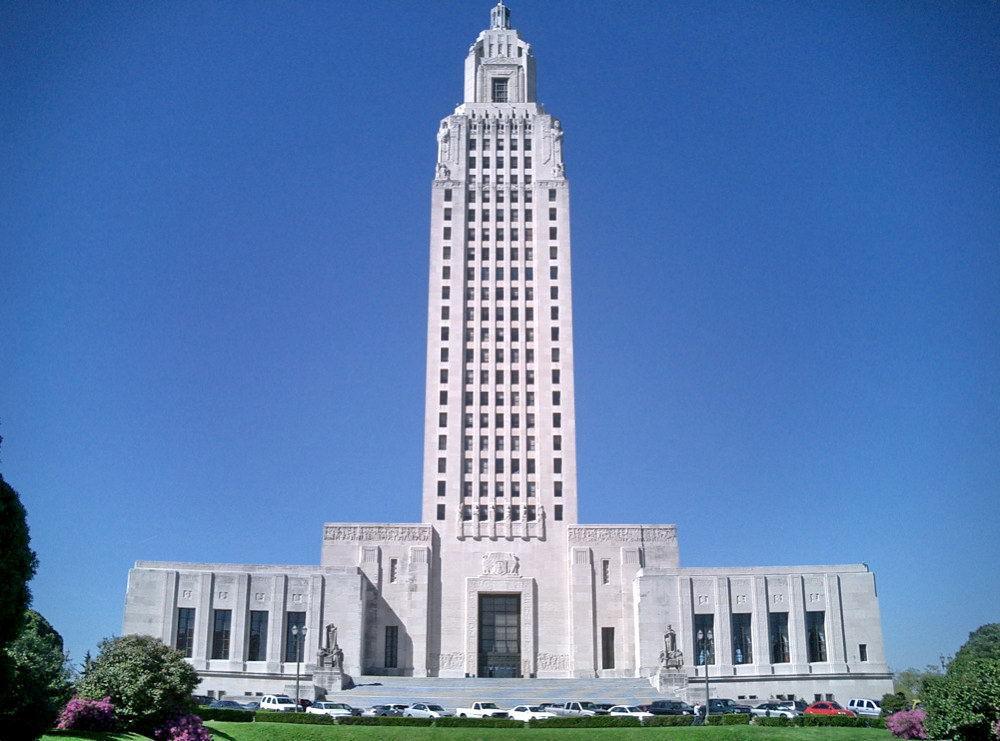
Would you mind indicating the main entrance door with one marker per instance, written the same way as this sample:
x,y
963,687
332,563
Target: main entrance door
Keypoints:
x,y
499,635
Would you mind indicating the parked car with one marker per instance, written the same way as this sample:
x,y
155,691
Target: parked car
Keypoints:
x,y
631,711
773,709
670,707
278,703
529,712
304,703
578,708
252,705
865,707
202,700
799,705
481,710
333,709
226,704
383,711
605,706
426,710
722,706
827,707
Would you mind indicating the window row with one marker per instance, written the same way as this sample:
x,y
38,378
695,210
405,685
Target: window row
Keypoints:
x,y
220,632
511,143
501,196
485,179
469,399
498,214
498,162
500,512
499,489
499,376
484,355
778,648
484,419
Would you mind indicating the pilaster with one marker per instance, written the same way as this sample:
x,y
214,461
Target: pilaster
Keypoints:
x,y
583,641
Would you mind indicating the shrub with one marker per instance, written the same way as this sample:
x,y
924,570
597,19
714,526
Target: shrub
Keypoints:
x,y
593,721
88,715
670,720
309,719
388,720
225,714
775,721
728,719
477,723
964,704
894,702
148,682
183,728
907,724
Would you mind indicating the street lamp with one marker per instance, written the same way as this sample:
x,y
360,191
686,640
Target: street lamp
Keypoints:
x,y
704,641
299,631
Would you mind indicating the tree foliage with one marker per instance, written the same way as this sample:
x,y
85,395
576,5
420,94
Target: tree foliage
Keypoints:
x,y
910,682
148,682
39,679
964,703
17,564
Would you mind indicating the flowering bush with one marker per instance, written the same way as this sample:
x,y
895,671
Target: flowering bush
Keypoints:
x,y
907,724
183,728
88,715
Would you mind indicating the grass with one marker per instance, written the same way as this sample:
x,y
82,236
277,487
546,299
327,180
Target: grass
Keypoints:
x,y
289,732
86,736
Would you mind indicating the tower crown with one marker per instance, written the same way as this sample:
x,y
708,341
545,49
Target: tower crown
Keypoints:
x,y
499,67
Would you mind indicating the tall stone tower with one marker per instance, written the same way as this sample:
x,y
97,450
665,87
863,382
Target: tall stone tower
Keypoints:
x,y
499,429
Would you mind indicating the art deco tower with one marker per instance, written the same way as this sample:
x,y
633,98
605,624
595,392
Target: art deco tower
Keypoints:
x,y
499,439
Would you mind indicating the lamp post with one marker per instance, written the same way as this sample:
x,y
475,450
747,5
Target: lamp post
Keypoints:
x,y
704,640
299,631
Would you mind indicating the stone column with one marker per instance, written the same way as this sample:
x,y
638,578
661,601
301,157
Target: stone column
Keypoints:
x,y
314,622
420,570
582,641
797,625
276,623
835,644
628,663
723,629
203,621
685,633
237,638
168,626
761,636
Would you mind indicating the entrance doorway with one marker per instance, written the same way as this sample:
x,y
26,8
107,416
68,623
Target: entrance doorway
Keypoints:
x,y
499,635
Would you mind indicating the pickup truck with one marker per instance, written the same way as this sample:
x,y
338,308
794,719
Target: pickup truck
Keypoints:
x,y
481,710
577,708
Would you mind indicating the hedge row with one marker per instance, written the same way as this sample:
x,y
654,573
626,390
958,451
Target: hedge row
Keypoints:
x,y
670,720
477,723
384,720
592,721
728,719
842,721
226,714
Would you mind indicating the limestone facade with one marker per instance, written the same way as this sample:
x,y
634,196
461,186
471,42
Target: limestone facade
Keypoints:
x,y
499,578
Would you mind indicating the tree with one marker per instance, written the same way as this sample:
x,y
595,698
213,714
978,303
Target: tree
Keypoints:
x,y
148,682
17,563
964,704
39,680
910,682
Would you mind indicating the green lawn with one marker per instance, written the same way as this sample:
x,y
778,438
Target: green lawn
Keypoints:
x,y
290,732
84,736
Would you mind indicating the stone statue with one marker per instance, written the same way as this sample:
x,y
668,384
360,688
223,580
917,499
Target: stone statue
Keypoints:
x,y
444,143
557,136
560,171
443,173
331,636
670,657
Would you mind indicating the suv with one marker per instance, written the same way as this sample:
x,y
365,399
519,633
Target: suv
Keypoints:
x,y
865,707
279,703
670,707
721,706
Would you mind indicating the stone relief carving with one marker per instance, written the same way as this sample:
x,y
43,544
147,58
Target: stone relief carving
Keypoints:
x,y
377,532
553,662
501,564
442,173
671,657
444,143
624,534
186,593
455,660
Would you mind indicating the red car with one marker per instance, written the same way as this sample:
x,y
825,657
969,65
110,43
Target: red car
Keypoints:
x,y
827,708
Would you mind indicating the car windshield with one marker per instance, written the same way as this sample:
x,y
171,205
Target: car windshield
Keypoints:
x,y
633,709
434,707
488,705
588,706
535,708
283,701
834,705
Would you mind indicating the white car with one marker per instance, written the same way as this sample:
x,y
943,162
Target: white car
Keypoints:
x,y
862,706
278,703
773,709
529,712
333,709
426,710
630,710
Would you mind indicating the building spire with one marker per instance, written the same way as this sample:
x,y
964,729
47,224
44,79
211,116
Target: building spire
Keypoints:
x,y
500,16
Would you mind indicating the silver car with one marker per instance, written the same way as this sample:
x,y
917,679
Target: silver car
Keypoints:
x,y
426,710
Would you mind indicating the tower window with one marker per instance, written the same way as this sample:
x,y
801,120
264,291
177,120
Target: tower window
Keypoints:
x,y
499,89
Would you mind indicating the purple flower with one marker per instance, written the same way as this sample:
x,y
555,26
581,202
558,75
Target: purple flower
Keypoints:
x,y
88,715
907,724
183,728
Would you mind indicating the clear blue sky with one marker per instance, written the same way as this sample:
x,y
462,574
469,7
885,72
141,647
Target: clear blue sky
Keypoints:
x,y
786,216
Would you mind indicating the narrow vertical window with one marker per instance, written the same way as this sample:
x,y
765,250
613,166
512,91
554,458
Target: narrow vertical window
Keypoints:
x,y
606,571
559,512
393,570
391,646
440,511
185,630
863,651
704,640
742,641
499,91
221,624
777,629
294,639
607,648
257,642
816,636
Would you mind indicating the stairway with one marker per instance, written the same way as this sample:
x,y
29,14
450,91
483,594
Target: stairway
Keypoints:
x,y
453,693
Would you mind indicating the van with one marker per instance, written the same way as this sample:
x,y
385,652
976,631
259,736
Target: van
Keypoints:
x,y
864,707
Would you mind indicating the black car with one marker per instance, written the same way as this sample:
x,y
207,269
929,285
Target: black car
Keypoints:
x,y
722,706
670,707
227,705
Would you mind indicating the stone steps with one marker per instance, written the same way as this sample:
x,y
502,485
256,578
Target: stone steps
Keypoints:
x,y
452,693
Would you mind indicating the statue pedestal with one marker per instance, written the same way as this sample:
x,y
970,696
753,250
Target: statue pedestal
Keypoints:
x,y
326,680
672,682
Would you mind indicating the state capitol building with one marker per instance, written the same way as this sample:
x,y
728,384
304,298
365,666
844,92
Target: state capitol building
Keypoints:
x,y
499,578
